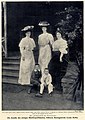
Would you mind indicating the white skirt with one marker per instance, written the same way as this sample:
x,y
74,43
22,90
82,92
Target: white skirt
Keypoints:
x,y
44,57
26,68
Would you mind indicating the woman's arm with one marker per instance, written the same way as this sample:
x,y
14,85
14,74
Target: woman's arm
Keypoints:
x,y
61,56
51,39
22,48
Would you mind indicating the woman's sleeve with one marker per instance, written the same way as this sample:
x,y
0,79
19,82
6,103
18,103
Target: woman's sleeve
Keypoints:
x,y
63,47
53,47
38,40
20,43
32,45
51,39
21,47
64,44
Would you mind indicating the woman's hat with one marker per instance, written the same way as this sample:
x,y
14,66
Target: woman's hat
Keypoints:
x,y
27,28
43,24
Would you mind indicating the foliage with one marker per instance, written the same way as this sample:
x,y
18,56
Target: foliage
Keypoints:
x,y
71,27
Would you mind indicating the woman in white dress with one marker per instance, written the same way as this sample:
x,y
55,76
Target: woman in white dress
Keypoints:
x,y
27,63
45,40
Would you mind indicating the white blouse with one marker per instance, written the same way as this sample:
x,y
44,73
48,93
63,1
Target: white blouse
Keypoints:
x,y
45,38
60,45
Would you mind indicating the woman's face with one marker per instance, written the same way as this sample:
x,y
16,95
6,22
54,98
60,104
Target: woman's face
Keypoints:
x,y
37,67
58,35
44,29
28,33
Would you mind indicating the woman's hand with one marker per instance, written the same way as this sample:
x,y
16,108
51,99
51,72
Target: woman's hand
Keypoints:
x,y
61,59
61,55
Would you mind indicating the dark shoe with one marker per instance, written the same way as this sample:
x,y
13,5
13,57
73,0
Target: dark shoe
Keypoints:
x,y
50,94
38,95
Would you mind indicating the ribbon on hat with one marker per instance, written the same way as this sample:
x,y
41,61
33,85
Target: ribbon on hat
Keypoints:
x,y
27,28
44,23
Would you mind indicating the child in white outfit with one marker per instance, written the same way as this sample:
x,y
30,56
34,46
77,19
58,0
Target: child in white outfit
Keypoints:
x,y
46,80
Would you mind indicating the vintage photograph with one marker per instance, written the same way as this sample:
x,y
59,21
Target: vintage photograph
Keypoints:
x,y
42,55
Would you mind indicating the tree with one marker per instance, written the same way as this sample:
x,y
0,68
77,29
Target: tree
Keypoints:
x,y
72,29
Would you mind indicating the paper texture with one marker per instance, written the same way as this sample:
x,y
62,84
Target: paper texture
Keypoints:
x,y
16,103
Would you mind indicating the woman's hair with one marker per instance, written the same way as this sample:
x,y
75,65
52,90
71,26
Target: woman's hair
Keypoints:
x,y
59,32
27,32
62,35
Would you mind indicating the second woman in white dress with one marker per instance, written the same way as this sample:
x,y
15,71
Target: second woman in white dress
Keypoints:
x,y
45,40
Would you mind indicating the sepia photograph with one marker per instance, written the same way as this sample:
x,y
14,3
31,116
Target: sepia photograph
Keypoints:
x,y
42,55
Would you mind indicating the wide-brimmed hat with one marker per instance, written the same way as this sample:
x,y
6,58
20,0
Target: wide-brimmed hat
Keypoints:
x,y
43,24
27,28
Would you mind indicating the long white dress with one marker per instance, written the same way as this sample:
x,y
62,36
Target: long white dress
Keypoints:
x,y
27,60
44,41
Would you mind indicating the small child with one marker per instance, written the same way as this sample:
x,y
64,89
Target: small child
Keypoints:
x,y
46,80
35,77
